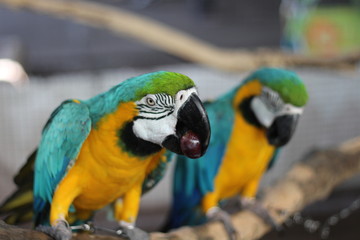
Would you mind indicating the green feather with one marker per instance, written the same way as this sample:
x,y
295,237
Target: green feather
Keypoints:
x,y
285,82
133,89
160,82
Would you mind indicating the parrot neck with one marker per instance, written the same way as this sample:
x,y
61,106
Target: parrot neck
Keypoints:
x,y
118,126
242,100
136,146
247,113
106,103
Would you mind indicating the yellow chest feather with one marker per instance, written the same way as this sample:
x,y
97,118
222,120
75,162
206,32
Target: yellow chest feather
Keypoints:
x,y
103,171
247,155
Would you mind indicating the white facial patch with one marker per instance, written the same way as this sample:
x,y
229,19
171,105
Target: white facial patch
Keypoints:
x,y
262,113
182,96
157,117
269,105
289,109
155,131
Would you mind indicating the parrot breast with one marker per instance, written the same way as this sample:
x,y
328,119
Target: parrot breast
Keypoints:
x,y
103,171
247,153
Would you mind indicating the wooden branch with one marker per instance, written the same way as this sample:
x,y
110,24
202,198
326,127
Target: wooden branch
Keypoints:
x,y
16,233
310,180
174,42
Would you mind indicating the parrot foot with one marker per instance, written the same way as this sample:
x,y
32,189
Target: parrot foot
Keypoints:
x,y
217,214
132,233
61,231
254,206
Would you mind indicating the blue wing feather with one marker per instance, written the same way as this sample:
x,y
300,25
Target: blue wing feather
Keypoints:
x,y
194,178
62,138
273,159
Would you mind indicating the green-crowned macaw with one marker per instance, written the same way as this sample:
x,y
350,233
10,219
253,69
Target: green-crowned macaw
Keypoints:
x,y
248,126
104,149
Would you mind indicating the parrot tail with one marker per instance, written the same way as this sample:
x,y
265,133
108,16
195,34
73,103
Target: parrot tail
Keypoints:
x,y
18,207
185,211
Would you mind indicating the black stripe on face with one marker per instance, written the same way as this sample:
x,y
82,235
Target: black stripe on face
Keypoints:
x,y
162,99
140,106
153,118
142,111
164,106
271,99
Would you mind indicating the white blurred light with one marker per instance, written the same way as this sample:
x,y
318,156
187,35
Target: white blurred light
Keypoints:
x,y
12,72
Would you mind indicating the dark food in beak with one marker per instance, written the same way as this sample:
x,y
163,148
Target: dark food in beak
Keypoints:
x,y
190,145
192,130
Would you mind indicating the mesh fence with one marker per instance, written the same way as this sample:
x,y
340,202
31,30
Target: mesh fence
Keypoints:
x,y
331,116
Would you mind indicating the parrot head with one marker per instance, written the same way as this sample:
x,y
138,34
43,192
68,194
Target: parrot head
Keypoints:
x,y
279,104
169,114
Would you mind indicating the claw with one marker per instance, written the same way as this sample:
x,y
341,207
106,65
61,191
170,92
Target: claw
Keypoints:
x,y
254,206
86,227
217,214
61,231
133,233
128,230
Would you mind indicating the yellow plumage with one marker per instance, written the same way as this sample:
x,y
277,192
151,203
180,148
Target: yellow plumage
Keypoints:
x,y
94,186
246,158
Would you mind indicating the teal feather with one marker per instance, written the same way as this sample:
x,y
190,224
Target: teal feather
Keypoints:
x,y
273,159
291,89
134,89
61,143
194,177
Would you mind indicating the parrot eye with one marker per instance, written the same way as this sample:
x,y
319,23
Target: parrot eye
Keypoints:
x,y
150,101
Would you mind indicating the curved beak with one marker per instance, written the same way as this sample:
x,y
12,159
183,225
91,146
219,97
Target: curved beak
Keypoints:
x,y
282,129
192,130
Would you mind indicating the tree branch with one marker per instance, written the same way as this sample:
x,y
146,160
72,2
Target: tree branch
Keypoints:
x,y
310,180
177,43
16,233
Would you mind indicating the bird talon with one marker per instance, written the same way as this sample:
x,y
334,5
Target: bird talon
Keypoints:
x,y
132,233
217,214
86,227
61,231
119,232
254,206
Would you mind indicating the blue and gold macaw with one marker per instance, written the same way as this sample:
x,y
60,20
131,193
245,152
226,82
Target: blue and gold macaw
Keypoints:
x,y
105,149
248,126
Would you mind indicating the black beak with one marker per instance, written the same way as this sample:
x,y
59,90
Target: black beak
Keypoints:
x,y
192,130
282,129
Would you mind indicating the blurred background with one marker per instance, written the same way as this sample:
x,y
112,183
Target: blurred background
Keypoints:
x,y
45,59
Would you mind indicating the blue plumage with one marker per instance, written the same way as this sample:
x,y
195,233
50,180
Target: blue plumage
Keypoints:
x,y
189,185
63,136
273,94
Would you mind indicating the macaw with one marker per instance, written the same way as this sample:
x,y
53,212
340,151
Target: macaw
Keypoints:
x,y
102,150
248,124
